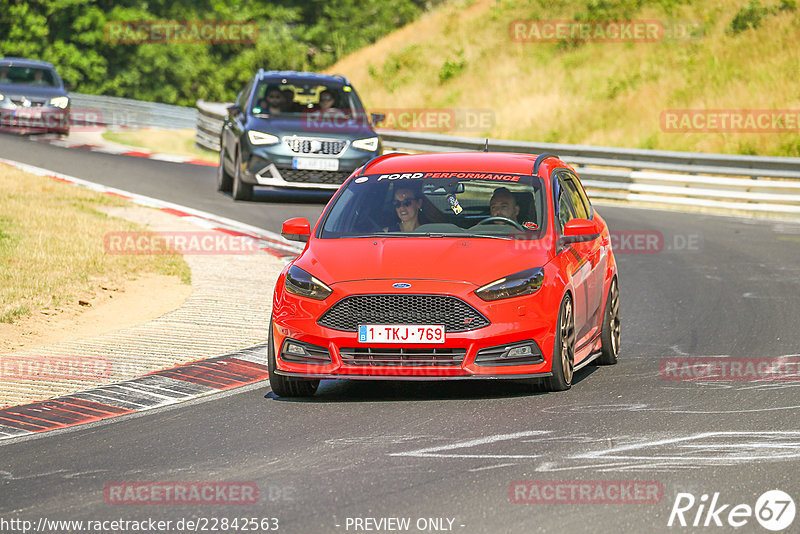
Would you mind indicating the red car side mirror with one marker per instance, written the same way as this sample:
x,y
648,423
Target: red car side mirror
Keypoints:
x,y
296,229
580,230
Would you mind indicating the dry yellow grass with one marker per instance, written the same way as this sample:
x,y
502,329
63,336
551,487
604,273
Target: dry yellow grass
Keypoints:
x,y
176,142
51,245
594,93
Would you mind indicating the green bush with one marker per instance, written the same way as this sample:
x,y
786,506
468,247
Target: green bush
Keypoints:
x,y
452,68
296,35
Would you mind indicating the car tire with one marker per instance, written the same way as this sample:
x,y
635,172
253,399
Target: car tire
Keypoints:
x,y
284,386
563,349
224,179
610,331
241,190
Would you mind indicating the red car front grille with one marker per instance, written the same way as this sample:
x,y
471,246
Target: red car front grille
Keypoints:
x,y
454,313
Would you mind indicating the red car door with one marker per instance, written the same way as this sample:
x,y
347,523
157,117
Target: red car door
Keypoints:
x,y
571,260
595,252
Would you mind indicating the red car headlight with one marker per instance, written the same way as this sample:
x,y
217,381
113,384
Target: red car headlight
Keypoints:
x,y
521,283
300,282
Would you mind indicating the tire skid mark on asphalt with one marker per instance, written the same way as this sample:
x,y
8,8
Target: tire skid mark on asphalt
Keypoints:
x,y
441,451
690,451
161,388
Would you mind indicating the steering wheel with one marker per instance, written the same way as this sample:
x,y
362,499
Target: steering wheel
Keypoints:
x,y
512,222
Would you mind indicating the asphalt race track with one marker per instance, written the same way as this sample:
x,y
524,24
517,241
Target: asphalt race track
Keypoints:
x,y
449,456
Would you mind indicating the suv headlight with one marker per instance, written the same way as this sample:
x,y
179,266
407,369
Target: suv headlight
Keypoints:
x,y
522,283
60,102
261,138
370,144
299,282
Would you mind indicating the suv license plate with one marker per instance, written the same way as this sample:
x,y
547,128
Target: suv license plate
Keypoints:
x,y
315,164
400,333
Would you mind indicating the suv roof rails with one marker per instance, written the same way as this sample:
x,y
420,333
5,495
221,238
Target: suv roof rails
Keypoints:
x,y
539,161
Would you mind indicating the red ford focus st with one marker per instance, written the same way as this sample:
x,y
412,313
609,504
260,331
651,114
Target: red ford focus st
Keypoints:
x,y
448,266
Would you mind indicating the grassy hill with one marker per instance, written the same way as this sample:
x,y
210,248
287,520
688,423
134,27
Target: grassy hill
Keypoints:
x,y
461,56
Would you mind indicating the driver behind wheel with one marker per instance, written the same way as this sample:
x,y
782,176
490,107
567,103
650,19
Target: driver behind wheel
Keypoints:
x,y
503,204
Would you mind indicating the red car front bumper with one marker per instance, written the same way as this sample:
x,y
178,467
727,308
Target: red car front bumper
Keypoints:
x,y
527,320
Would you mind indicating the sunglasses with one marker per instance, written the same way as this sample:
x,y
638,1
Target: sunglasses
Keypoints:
x,y
326,98
405,203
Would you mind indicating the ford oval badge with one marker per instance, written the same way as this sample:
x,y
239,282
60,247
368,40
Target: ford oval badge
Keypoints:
x,y
401,285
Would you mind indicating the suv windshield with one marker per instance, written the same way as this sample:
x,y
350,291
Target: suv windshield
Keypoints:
x,y
436,204
295,97
36,76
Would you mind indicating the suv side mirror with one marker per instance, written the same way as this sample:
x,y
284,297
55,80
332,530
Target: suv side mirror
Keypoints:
x,y
69,86
234,109
296,229
377,118
580,230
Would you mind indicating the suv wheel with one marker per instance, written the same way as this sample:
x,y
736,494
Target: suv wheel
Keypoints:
x,y
224,179
241,190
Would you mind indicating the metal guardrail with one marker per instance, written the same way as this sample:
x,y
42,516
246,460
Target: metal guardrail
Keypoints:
x,y
720,181
210,116
114,111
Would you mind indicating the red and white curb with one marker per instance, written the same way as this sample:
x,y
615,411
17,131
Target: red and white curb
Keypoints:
x,y
125,151
161,388
265,240
154,390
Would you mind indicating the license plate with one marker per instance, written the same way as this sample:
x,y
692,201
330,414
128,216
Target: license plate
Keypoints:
x,y
27,113
315,164
400,333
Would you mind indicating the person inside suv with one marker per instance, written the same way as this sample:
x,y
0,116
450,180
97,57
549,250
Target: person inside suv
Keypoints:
x,y
38,79
289,105
274,102
327,101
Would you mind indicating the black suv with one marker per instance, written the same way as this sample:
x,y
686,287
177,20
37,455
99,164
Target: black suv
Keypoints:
x,y
294,130
33,98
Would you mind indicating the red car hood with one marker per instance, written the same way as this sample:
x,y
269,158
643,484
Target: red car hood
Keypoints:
x,y
477,261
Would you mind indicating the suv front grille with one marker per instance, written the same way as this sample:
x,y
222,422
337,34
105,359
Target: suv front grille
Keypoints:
x,y
454,313
21,102
310,145
402,357
314,177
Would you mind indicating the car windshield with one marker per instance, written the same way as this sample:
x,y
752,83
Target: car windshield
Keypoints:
x,y
35,76
439,204
298,98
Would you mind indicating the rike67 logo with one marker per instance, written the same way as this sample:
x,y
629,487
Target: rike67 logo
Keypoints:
x,y
774,510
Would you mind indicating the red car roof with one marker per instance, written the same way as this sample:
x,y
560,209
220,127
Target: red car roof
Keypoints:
x,y
458,162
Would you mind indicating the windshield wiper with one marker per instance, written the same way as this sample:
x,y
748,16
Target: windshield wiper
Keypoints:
x,y
489,236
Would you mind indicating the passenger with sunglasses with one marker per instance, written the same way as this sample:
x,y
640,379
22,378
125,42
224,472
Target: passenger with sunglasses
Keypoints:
x,y
326,101
407,207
